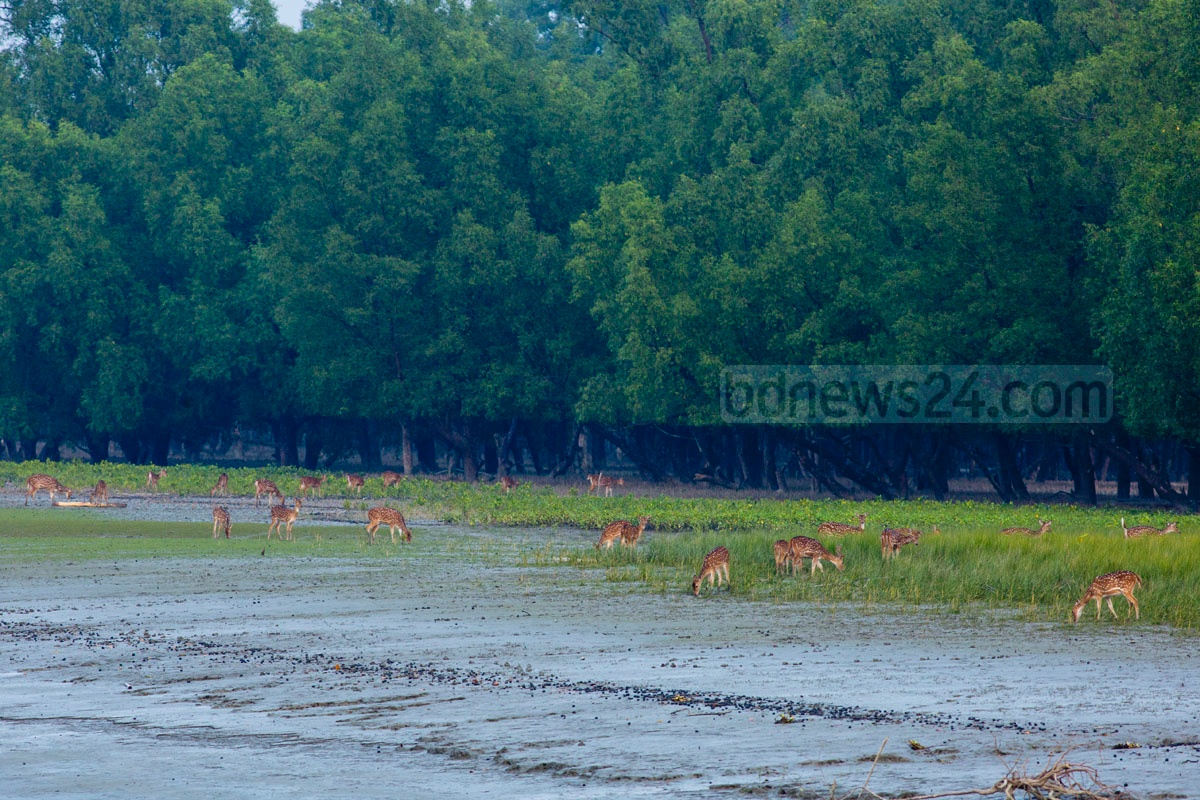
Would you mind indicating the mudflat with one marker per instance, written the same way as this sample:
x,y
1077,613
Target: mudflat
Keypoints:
x,y
432,672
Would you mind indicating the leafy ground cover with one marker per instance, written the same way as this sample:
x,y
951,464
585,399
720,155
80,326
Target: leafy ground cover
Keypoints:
x,y
969,565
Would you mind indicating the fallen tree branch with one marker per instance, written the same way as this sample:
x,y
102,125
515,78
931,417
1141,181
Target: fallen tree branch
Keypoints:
x,y
1062,780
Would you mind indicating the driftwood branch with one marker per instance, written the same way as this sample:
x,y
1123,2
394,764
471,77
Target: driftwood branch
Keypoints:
x,y
1062,780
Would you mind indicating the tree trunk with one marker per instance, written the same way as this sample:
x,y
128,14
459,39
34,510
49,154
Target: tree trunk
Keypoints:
x,y
368,448
426,447
1010,470
1123,472
406,450
287,435
460,436
1193,474
769,469
160,447
1085,470
97,447
313,443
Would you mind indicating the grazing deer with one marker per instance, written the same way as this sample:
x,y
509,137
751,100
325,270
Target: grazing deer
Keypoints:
x,y
803,547
263,486
1147,530
222,486
783,554
631,533
714,567
1044,526
382,515
1106,587
308,484
605,482
509,483
100,493
355,482
627,532
153,477
892,539
841,528
221,522
391,478
44,483
281,515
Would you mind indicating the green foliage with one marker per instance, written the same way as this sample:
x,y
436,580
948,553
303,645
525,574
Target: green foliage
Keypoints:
x,y
460,214
968,567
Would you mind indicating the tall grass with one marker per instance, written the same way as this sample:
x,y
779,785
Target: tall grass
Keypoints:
x,y
966,568
969,566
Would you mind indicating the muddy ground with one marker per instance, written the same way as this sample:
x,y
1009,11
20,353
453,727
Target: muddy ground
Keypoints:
x,y
432,674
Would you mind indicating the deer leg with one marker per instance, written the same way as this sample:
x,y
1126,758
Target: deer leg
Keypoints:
x,y
1111,609
1133,603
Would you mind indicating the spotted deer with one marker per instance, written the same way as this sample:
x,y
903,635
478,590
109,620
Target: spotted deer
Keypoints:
x,y
1106,587
221,522
391,478
783,554
282,516
310,484
625,531
44,483
841,528
892,539
509,483
1147,530
1043,527
263,486
153,477
382,515
100,493
631,533
605,482
803,547
221,487
355,482
714,567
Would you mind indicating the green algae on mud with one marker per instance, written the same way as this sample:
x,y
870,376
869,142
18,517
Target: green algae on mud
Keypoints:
x,y
40,534
968,567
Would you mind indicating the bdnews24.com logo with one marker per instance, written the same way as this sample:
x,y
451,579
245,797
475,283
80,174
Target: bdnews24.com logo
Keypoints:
x,y
916,394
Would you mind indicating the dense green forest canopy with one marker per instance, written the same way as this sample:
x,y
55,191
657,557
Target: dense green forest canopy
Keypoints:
x,y
484,223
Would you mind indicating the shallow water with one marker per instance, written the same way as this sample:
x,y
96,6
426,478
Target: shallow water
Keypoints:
x,y
431,674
